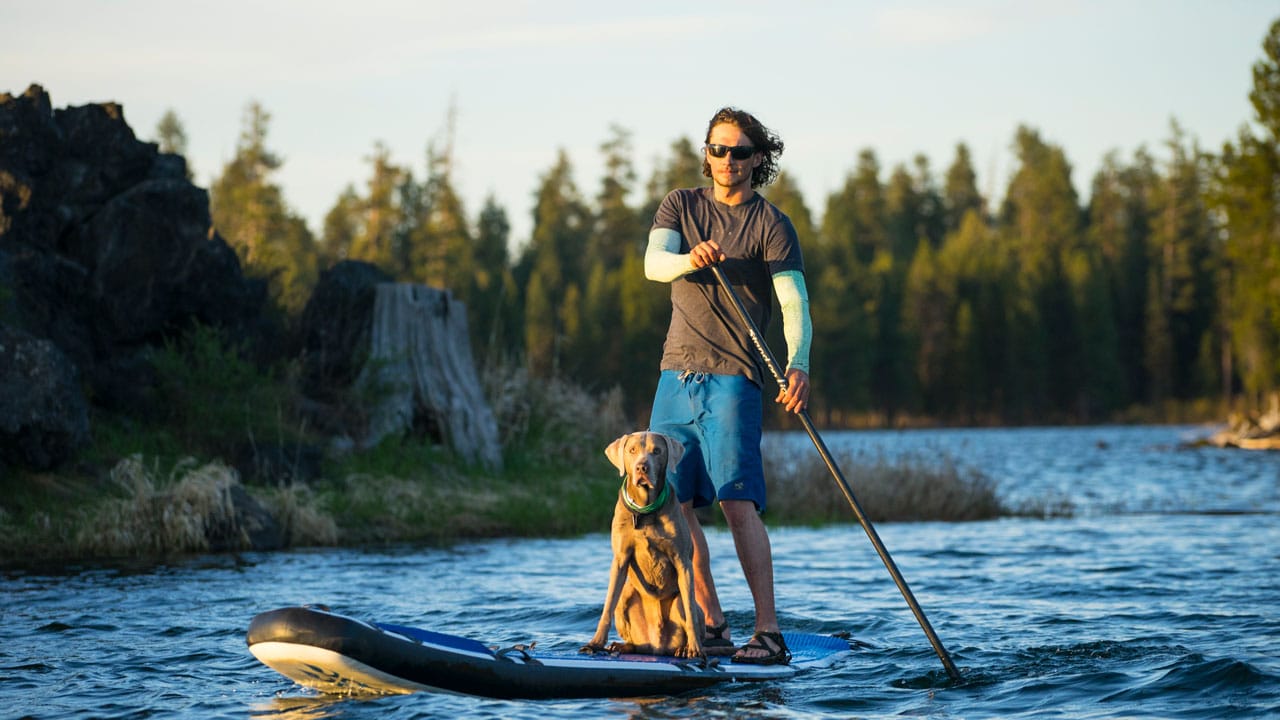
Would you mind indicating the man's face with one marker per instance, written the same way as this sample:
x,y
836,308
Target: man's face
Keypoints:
x,y
725,171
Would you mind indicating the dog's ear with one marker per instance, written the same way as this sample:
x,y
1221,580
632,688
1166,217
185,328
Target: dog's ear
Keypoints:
x,y
614,453
675,451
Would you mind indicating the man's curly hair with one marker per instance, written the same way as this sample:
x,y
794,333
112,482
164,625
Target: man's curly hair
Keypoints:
x,y
765,140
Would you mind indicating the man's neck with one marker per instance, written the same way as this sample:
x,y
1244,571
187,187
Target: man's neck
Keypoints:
x,y
735,195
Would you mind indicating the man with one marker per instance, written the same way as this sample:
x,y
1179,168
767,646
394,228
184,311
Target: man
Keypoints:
x,y
710,388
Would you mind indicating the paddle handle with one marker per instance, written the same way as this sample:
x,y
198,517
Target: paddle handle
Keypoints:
x,y
776,370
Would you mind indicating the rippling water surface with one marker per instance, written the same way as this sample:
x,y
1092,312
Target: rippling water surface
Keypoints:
x,y
1160,598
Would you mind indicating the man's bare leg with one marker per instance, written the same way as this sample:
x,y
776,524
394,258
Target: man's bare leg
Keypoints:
x,y
751,539
704,586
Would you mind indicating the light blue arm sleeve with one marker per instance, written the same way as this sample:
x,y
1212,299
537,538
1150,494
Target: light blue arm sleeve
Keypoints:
x,y
663,260
793,299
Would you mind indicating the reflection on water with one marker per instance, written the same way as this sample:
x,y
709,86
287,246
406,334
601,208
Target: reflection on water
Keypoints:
x,y
1158,599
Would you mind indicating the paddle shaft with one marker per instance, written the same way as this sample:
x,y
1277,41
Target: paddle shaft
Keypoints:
x,y
775,369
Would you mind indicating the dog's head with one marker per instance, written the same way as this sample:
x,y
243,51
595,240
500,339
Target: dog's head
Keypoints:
x,y
645,458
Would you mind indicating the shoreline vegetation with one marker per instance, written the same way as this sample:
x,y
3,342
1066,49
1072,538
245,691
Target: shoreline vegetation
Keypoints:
x,y
143,511
161,487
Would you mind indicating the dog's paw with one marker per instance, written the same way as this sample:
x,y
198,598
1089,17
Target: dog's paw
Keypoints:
x,y
591,649
690,652
620,648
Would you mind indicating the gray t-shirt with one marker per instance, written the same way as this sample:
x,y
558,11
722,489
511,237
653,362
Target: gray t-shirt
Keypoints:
x,y
758,241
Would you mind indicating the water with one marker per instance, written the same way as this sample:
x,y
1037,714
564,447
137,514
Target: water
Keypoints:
x,y
1160,598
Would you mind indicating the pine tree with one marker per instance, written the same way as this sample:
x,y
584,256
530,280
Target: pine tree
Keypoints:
x,y
442,251
960,191
493,315
553,265
854,225
171,136
928,325
904,218
382,215
618,234
1119,230
841,353
1041,220
342,224
249,211
1101,380
983,273
1182,262
1247,197
619,229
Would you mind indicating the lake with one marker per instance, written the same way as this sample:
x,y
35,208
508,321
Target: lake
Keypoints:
x,y
1160,597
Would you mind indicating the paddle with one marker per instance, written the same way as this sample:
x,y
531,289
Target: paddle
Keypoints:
x,y
776,370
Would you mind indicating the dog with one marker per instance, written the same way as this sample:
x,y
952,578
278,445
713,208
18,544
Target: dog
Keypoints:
x,y
650,595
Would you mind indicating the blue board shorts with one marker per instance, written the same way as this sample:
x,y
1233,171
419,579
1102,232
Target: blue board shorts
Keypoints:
x,y
718,420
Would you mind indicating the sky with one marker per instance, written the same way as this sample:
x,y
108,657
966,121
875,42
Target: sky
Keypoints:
x,y
527,80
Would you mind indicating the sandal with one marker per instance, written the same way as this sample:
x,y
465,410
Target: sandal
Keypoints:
x,y
772,643
716,640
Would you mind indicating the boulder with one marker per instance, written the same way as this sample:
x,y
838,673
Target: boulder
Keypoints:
x,y
335,328
154,266
44,418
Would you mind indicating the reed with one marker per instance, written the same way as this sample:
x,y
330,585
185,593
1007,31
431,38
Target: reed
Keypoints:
x,y
547,421
148,520
912,487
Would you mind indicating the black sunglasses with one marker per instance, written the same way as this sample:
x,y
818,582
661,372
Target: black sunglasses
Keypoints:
x,y
738,152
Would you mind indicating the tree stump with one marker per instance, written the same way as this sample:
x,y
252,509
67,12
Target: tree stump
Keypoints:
x,y
420,368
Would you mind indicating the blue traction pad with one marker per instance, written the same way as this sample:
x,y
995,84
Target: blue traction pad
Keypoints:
x,y
435,638
804,647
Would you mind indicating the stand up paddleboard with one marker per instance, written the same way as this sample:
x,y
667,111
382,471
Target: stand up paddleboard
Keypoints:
x,y
336,654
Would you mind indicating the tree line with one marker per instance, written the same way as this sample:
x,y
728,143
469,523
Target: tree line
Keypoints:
x,y
928,299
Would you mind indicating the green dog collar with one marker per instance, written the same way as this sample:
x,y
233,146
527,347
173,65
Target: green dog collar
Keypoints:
x,y
645,509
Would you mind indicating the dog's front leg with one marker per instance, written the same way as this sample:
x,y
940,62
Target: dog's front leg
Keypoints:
x,y
617,572
695,624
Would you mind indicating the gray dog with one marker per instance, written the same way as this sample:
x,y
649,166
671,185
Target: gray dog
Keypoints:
x,y
650,593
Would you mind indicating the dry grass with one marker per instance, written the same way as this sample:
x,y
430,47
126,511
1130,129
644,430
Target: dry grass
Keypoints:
x,y
803,490
148,521
144,511
552,420
304,523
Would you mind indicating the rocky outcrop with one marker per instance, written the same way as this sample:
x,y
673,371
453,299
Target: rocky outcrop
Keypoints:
x,y
1259,431
105,248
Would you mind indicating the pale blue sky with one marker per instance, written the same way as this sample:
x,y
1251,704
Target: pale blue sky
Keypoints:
x,y
531,78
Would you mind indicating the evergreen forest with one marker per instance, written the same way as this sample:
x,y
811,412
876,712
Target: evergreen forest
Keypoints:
x,y
1157,298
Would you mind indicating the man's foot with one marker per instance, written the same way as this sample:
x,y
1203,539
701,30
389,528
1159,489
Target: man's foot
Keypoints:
x,y
764,648
716,640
